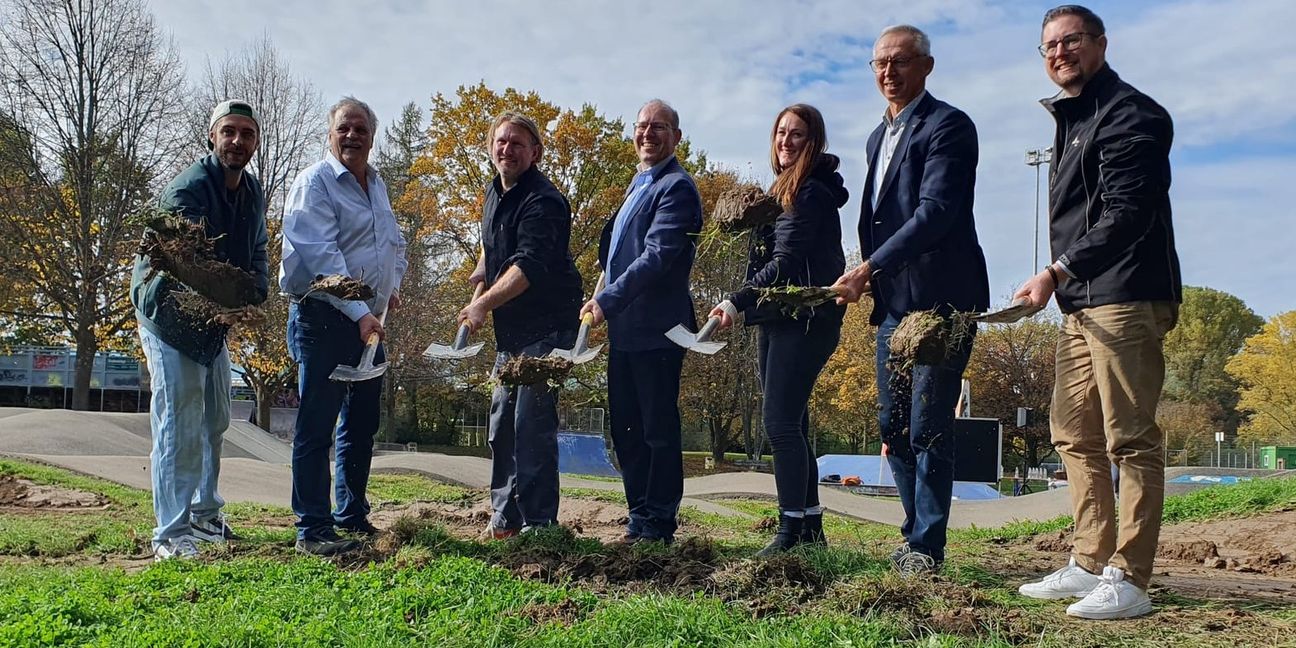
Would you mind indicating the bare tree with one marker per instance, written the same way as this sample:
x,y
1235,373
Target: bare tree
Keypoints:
x,y
93,94
292,122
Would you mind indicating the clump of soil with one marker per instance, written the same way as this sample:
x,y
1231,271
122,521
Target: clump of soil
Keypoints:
x,y
565,612
684,566
200,307
530,370
794,300
927,337
21,493
779,584
746,207
180,248
1058,541
1198,551
342,287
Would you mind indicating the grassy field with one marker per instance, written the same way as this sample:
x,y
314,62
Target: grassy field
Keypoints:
x,y
84,578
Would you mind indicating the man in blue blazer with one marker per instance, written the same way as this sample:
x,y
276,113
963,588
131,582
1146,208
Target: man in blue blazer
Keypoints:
x,y
918,236
647,252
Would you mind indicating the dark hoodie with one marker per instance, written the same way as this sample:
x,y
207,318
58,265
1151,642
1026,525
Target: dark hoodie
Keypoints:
x,y
801,248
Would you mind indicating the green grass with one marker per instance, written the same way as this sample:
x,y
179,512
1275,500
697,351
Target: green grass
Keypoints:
x,y
439,590
1232,500
609,496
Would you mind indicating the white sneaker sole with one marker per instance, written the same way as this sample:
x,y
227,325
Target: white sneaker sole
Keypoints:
x,y
1051,595
1139,610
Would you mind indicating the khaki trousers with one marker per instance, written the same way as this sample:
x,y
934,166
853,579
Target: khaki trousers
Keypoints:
x,y
1110,369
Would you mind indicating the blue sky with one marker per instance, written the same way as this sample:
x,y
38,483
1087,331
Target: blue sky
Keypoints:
x,y
1224,70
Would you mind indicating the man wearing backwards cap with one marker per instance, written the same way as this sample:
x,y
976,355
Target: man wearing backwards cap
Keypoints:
x,y
187,359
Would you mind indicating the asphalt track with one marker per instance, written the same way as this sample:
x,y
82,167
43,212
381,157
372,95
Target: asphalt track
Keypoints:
x,y
255,468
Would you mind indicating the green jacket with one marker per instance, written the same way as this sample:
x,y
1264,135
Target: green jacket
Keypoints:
x,y
238,219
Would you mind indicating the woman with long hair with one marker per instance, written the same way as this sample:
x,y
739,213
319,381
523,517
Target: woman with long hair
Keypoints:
x,y
801,248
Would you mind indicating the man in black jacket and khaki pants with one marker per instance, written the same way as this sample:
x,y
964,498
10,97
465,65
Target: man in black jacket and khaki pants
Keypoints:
x,y
1116,278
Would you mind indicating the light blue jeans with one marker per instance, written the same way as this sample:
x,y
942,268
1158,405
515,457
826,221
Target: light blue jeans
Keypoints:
x,y
189,414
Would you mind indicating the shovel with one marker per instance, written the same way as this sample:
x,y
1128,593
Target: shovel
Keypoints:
x,y
366,370
1017,310
701,342
460,349
581,353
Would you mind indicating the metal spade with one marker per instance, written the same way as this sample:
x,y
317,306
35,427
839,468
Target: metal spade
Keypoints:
x,y
460,348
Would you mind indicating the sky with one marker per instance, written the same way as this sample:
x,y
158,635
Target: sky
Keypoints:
x,y
1224,70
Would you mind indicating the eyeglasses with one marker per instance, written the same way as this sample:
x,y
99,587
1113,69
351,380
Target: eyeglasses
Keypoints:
x,y
898,63
656,127
1070,43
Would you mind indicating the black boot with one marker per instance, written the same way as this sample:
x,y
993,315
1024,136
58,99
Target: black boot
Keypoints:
x,y
788,536
812,530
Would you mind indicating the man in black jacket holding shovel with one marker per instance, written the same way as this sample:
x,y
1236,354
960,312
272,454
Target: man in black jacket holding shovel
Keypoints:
x,y
534,291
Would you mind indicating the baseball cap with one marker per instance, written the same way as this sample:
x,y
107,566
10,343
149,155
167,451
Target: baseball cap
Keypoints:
x,y
231,107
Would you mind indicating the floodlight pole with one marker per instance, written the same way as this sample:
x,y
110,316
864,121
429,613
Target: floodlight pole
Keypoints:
x,y
1035,158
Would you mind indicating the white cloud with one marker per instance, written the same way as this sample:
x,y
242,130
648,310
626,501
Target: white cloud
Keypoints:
x,y
1222,69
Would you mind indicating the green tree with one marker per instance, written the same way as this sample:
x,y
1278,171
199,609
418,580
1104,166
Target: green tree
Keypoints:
x,y
1212,328
1012,366
1264,369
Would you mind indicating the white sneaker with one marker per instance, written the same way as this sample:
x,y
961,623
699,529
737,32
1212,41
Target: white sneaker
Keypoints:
x,y
1071,581
182,548
1113,598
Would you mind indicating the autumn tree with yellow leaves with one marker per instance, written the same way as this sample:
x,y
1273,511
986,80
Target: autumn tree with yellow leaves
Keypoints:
x,y
1264,369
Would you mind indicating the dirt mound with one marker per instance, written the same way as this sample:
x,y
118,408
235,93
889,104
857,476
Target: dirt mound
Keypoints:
x,y
684,566
780,584
1195,551
1057,541
565,612
21,493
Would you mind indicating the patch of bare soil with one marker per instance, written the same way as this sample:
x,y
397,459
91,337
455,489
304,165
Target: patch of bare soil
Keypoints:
x,y
565,612
20,494
1243,558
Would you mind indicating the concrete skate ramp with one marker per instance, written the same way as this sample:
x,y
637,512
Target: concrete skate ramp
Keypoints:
x,y
876,473
584,454
58,432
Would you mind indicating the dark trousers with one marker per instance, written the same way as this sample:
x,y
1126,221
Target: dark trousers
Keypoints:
x,y
320,338
643,395
524,445
916,413
791,354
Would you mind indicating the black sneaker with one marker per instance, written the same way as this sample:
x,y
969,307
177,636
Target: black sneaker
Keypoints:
x,y
363,528
897,554
326,543
916,564
214,530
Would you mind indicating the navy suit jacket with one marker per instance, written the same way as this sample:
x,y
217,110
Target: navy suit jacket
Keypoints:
x,y
921,240
647,290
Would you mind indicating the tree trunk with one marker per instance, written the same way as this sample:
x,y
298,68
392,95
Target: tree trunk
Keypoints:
x,y
389,409
86,347
265,397
719,435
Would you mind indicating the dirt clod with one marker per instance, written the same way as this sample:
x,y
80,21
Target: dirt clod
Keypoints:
x,y
21,493
1195,551
342,287
180,248
796,300
530,370
746,207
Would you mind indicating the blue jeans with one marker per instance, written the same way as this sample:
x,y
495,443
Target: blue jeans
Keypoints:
x,y
320,338
916,415
524,445
189,414
791,356
643,396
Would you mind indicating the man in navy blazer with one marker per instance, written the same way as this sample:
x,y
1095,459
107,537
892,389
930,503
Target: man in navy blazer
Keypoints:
x,y
918,236
647,253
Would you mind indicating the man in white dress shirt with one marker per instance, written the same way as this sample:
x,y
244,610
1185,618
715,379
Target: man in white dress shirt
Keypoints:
x,y
337,220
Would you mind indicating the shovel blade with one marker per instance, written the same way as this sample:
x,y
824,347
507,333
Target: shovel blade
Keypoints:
x,y
357,374
447,352
688,339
